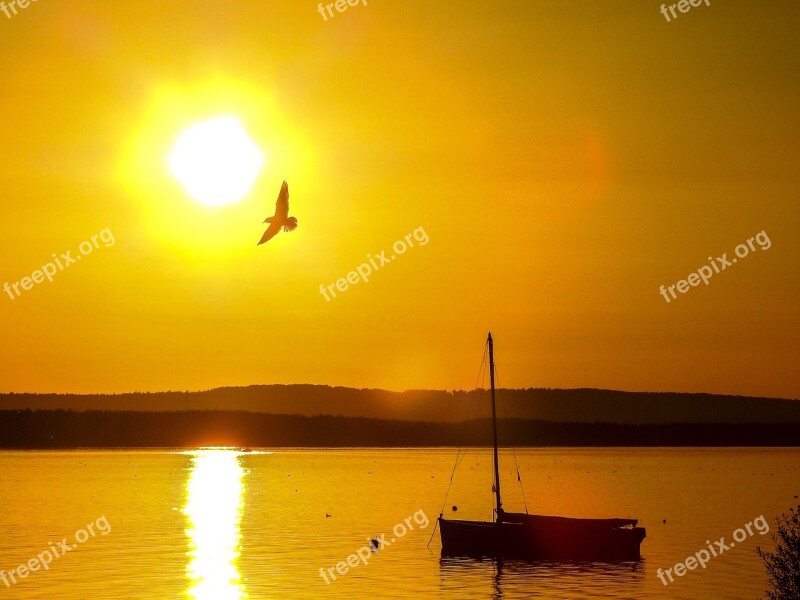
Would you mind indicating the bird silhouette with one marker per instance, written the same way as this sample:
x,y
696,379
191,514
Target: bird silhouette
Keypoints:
x,y
281,217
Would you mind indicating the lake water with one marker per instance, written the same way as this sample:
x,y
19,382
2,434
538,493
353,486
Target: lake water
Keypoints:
x,y
219,524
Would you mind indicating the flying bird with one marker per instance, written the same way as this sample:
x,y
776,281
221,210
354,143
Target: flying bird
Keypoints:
x,y
281,217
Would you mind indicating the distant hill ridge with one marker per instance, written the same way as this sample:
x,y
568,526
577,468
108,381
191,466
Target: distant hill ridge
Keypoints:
x,y
575,406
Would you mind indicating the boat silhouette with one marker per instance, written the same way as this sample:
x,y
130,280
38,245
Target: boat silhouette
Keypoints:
x,y
537,537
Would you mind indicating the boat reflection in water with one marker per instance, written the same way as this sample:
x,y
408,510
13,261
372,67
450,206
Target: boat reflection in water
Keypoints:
x,y
498,578
214,503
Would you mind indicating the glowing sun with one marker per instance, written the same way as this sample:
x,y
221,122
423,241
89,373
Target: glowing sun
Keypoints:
x,y
216,161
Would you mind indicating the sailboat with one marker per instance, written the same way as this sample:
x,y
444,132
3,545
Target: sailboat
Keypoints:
x,y
536,537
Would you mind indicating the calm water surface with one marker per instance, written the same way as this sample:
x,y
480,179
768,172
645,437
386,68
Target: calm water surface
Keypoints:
x,y
224,525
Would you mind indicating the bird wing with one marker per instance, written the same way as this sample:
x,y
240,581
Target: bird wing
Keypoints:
x,y
270,233
282,205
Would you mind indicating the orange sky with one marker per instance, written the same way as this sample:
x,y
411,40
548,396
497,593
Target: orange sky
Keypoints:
x,y
565,160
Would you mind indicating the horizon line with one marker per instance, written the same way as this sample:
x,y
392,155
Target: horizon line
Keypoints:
x,y
368,389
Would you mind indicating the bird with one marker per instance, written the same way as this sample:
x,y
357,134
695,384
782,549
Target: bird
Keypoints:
x,y
281,217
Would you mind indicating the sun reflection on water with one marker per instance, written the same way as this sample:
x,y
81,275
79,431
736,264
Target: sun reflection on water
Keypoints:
x,y
214,503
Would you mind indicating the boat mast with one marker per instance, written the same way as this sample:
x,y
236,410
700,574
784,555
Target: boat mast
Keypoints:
x,y
494,429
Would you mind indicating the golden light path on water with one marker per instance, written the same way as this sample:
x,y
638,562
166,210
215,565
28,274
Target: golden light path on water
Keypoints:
x,y
214,504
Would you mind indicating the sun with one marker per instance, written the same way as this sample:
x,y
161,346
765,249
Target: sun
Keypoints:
x,y
216,161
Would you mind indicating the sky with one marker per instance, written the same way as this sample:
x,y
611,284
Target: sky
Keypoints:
x,y
563,159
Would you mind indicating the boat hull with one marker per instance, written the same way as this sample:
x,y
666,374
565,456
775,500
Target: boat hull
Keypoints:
x,y
531,537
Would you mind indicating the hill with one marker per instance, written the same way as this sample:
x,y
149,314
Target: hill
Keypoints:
x,y
575,406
